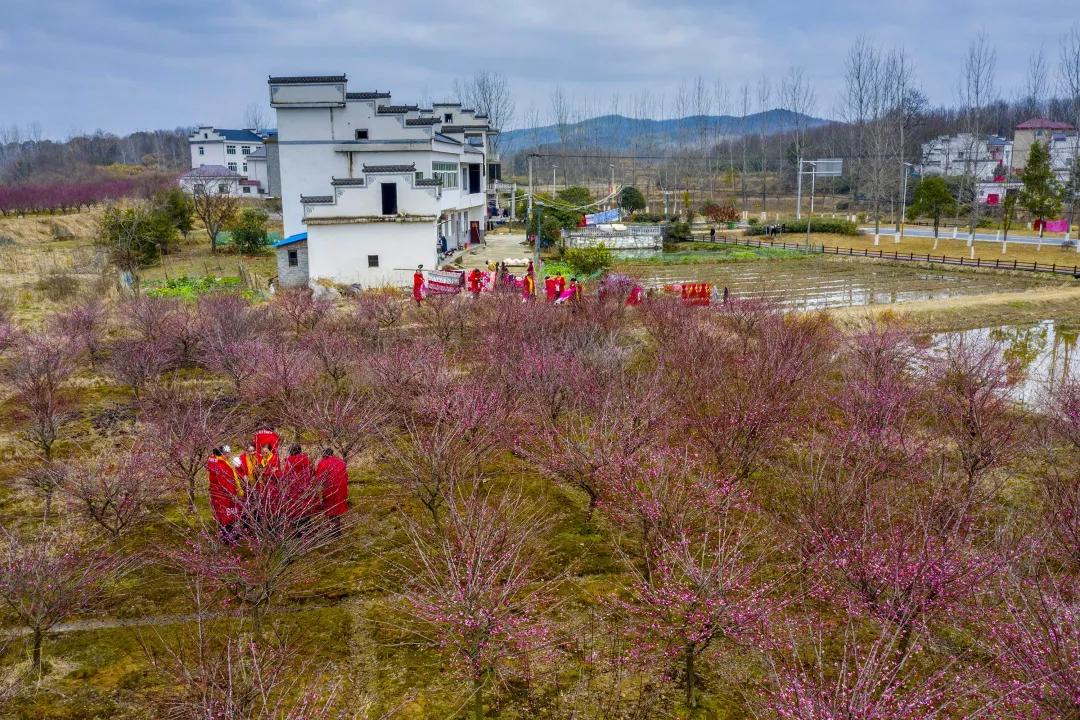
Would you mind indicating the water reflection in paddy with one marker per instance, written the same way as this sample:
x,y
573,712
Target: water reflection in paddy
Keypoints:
x,y
1045,353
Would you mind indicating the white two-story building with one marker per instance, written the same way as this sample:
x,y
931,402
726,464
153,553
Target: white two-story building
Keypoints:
x,y
242,152
964,154
371,189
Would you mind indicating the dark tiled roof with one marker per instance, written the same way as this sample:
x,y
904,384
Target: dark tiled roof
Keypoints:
x,y
447,139
339,182
397,108
446,104
468,110
463,128
422,121
374,95
307,199
304,79
428,182
481,116
411,167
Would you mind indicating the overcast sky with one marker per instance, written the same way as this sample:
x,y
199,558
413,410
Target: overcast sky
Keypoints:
x,y
122,65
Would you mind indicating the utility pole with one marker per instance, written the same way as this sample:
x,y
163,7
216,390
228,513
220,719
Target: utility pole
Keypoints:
x,y
813,179
903,205
553,169
798,192
611,187
536,242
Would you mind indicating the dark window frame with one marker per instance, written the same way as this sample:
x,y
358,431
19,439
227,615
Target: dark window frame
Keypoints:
x,y
373,261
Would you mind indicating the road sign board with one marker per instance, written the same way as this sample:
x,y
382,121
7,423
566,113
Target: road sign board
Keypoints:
x,y
829,167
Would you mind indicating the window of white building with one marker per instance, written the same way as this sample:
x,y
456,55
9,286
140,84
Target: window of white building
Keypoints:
x,y
447,172
222,189
372,261
232,166
230,149
245,167
361,135
245,149
202,150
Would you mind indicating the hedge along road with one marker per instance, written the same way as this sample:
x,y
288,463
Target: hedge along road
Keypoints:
x,y
945,233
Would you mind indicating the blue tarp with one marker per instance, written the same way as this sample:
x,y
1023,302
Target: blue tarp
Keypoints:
x,y
600,218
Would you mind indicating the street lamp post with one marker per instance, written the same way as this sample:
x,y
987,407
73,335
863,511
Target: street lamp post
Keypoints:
x,y
553,169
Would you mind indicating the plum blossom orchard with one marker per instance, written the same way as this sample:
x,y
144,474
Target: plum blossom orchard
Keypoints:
x,y
486,507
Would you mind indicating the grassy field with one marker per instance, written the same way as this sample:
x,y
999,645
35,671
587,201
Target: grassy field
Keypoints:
x,y
987,251
46,260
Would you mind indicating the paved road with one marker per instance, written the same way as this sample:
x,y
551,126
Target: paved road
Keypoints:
x,y
946,234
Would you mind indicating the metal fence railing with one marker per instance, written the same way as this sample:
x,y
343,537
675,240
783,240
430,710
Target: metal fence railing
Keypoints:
x,y
996,264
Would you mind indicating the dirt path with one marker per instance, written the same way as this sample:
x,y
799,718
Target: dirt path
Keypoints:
x,y
973,310
150,621
499,248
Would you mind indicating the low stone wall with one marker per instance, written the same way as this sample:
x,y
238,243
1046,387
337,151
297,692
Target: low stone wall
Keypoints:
x,y
639,237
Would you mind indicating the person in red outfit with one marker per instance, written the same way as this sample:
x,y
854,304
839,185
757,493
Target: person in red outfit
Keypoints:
x,y
299,494
560,286
418,284
265,435
474,282
549,288
528,286
225,492
332,477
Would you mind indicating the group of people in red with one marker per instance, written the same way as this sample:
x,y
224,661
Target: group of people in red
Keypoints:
x,y
260,479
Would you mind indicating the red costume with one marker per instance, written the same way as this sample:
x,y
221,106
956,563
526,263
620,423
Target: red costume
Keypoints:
x,y
635,296
474,281
560,285
300,494
225,490
528,287
264,437
333,477
549,289
418,286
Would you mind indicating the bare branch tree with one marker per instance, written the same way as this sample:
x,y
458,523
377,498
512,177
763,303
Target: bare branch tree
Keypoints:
x,y
256,117
976,94
489,94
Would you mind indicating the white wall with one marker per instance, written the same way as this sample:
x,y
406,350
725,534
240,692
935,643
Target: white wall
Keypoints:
x,y
339,252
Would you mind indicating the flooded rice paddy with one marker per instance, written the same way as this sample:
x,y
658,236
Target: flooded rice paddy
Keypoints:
x,y
1044,352
816,282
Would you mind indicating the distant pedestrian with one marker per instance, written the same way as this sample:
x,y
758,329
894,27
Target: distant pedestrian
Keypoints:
x,y
712,234
725,294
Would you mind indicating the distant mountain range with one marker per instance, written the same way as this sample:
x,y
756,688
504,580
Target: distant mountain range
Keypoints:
x,y
617,132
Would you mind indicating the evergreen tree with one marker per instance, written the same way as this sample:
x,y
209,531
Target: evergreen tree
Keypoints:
x,y
1041,194
933,200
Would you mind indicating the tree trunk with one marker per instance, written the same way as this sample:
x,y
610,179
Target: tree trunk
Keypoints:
x,y
191,493
690,701
258,612
478,699
38,640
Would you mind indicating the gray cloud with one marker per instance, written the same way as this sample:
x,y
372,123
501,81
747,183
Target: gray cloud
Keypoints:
x,y
122,65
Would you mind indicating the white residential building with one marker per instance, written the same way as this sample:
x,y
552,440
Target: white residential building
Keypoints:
x,y
964,154
370,189
241,151
213,180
